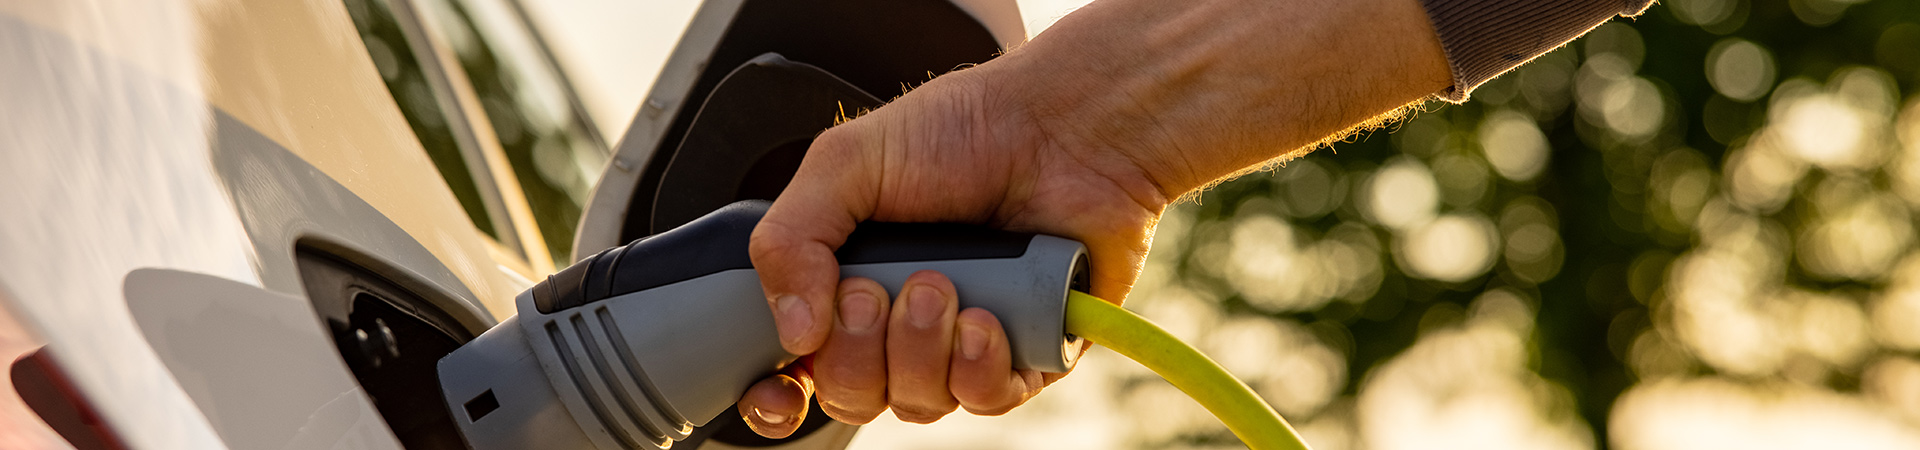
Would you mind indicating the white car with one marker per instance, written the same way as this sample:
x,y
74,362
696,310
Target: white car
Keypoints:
x,y
257,224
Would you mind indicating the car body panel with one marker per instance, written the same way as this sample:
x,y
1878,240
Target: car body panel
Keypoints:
x,y
296,72
115,111
109,186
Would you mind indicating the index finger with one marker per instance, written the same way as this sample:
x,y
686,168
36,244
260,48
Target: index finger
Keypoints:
x,y
792,247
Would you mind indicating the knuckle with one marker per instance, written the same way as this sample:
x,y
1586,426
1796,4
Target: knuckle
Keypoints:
x,y
772,240
928,405
978,398
918,365
853,398
990,410
847,378
918,414
842,138
852,410
847,415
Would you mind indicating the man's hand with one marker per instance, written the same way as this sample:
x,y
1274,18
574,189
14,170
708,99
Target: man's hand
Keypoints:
x,y
1088,132
955,150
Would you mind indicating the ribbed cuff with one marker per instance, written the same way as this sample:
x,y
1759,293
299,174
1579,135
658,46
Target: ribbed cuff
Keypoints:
x,y
1486,38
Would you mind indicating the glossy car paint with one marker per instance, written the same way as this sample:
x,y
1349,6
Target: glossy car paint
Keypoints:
x,y
114,112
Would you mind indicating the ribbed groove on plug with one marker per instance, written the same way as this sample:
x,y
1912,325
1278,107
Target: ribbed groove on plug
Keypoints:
x,y
629,421
676,427
569,359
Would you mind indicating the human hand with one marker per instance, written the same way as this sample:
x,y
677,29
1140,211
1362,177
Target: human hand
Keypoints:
x,y
958,149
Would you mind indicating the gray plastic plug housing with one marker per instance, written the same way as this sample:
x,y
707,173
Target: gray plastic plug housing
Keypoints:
x,y
639,370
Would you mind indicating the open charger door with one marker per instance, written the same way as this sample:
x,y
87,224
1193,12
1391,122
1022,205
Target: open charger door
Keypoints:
x,y
744,93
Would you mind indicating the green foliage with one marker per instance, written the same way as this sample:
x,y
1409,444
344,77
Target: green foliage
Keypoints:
x,y
1761,142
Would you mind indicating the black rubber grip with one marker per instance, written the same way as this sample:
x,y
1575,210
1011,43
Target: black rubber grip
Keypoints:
x,y
718,242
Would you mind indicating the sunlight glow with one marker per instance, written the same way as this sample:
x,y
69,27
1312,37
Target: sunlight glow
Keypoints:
x,y
1821,130
1282,361
1896,310
1467,387
1717,413
1740,69
1514,145
1403,194
1451,248
1761,176
1860,241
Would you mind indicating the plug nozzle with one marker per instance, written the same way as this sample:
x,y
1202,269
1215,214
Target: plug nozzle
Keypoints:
x,y
500,398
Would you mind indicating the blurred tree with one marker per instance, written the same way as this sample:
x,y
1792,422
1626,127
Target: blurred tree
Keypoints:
x,y
1711,203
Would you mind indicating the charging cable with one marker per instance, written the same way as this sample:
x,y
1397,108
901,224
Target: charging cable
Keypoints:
x,y
1250,418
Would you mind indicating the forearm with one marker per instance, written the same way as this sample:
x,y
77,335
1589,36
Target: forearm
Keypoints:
x,y
1192,91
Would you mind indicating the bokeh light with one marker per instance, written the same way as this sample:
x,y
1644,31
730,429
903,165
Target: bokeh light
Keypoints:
x,y
1467,387
1403,194
1514,145
1451,248
1716,413
1703,12
1740,69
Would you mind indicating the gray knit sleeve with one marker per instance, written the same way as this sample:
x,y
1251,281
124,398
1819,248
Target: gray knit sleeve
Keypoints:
x,y
1486,38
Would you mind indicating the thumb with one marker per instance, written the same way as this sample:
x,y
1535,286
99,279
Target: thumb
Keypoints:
x,y
792,247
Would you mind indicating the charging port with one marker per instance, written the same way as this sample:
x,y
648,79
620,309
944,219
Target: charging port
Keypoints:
x,y
392,340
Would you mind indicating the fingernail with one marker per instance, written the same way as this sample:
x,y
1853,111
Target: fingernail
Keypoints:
x,y
795,318
859,311
973,340
924,306
769,418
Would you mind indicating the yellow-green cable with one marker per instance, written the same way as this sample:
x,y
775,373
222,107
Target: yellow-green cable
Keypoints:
x,y
1130,335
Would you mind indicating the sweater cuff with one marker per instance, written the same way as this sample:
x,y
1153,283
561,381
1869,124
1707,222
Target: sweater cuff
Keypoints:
x,y
1486,38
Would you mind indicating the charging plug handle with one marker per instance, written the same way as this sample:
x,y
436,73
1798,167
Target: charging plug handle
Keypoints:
x,y
969,255
640,343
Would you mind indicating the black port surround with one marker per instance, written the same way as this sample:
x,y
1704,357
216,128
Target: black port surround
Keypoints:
x,y
880,47
750,135
392,339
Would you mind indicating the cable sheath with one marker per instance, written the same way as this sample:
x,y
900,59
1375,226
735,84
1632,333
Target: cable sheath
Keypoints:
x,y
1249,417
